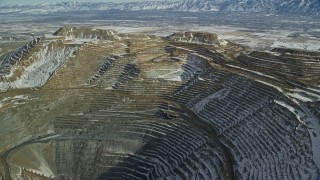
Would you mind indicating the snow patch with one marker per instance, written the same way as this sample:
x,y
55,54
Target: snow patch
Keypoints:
x,y
47,61
255,72
218,95
300,97
271,85
313,126
13,100
296,112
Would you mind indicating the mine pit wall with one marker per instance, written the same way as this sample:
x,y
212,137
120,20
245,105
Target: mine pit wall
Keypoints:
x,y
312,119
192,117
249,126
254,91
16,56
37,124
39,66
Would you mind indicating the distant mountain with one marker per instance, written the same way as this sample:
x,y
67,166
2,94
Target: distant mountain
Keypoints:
x,y
198,5
276,6
300,6
249,5
147,5
306,7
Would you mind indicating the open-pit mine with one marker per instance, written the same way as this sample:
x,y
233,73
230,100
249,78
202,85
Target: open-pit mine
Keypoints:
x,y
88,103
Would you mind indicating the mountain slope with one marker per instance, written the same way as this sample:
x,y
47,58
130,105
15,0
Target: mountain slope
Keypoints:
x,y
307,7
249,5
302,6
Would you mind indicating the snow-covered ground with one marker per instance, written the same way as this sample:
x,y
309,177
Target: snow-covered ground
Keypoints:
x,y
263,31
255,40
263,40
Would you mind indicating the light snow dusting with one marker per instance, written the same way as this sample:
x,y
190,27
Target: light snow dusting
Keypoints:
x,y
45,62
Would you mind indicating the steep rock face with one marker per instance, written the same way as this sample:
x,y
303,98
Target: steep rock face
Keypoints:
x,y
145,107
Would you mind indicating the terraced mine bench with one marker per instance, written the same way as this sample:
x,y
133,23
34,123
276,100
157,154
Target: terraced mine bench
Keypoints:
x,y
106,105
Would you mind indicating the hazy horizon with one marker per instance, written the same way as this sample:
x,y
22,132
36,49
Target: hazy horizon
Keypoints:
x,y
56,1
